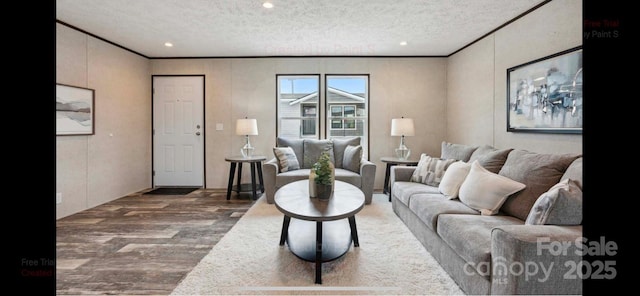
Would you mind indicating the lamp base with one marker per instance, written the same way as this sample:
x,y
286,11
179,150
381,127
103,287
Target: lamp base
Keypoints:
x,y
403,152
247,151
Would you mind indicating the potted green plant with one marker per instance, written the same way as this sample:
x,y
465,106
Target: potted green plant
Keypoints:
x,y
324,175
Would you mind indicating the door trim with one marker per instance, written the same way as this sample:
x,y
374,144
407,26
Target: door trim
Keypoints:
x,y
204,126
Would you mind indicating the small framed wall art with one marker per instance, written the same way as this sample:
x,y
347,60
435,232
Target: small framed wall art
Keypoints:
x,y
545,95
75,110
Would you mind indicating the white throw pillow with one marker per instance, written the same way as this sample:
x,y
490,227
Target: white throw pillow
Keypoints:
x,y
453,178
486,191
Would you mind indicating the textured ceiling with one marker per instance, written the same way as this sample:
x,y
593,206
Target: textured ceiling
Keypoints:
x,y
219,28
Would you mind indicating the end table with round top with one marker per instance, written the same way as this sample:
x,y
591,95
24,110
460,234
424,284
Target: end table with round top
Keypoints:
x,y
334,222
391,161
256,166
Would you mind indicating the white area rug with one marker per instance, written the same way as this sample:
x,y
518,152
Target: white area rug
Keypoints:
x,y
249,260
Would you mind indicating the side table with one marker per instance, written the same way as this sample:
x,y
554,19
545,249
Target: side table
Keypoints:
x,y
256,166
391,161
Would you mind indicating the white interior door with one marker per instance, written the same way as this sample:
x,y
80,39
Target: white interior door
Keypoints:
x,y
178,130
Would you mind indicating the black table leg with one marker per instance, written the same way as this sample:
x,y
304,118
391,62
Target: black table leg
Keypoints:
x,y
253,179
259,165
387,174
239,179
231,172
354,231
319,252
285,229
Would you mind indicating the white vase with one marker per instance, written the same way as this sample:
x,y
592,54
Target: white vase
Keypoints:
x,y
312,185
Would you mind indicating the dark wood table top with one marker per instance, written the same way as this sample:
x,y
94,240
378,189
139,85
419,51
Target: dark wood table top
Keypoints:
x,y
293,200
240,158
396,160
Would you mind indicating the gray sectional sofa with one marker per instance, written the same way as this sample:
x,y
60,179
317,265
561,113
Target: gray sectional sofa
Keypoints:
x,y
350,168
499,253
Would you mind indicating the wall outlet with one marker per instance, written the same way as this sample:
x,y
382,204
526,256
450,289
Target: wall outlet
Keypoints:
x,y
58,198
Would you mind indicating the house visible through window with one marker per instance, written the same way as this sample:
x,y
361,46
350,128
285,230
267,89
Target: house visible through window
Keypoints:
x,y
309,118
344,112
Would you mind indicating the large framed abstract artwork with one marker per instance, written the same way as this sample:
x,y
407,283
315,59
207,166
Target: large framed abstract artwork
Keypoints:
x,y
75,110
545,95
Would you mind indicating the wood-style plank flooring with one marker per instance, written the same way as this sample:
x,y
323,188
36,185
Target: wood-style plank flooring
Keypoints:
x,y
141,244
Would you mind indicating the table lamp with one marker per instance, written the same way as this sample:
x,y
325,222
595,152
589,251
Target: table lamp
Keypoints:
x,y
402,127
247,127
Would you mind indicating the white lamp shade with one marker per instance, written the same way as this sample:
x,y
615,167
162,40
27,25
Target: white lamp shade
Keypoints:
x,y
247,126
402,127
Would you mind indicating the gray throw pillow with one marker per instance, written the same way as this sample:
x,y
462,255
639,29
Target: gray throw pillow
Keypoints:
x,y
351,158
538,172
482,150
457,151
494,160
287,160
339,145
312,150
295,144
561,205
430,170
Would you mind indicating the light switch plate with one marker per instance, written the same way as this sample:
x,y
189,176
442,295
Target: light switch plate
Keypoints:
x,y
219,126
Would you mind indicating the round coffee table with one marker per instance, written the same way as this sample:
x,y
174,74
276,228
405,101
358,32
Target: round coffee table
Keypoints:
x,y
334,222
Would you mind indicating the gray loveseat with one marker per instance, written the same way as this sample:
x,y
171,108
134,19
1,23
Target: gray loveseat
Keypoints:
x,y
500,253
360,173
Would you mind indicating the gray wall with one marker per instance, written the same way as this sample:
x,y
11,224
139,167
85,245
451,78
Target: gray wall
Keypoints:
x,y
476,78
116,161
235,88
459,99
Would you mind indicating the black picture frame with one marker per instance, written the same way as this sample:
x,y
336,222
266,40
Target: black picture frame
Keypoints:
x,y
545,95
75,110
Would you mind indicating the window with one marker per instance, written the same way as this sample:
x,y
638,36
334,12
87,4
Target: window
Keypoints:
x,y
297,106
338,116
345,103
309,115
347,99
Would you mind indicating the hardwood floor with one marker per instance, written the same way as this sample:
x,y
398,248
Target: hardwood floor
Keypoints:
x,y
141,244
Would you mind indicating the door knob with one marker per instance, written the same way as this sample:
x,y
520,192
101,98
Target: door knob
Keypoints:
x,y
197,133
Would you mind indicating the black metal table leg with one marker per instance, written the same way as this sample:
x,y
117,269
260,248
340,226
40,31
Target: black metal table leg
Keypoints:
x,y
259,167
387,174
231,172
285,229
253,180
319,252
354,231
239,179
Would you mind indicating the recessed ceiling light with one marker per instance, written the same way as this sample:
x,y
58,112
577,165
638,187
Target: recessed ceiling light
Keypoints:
x,y
403,43
168,44
267,5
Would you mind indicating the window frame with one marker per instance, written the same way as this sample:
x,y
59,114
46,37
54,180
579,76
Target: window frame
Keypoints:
x,y
301,117
342,118
356,117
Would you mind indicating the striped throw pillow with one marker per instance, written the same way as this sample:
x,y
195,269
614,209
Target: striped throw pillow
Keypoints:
x,y
287,160
430,170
